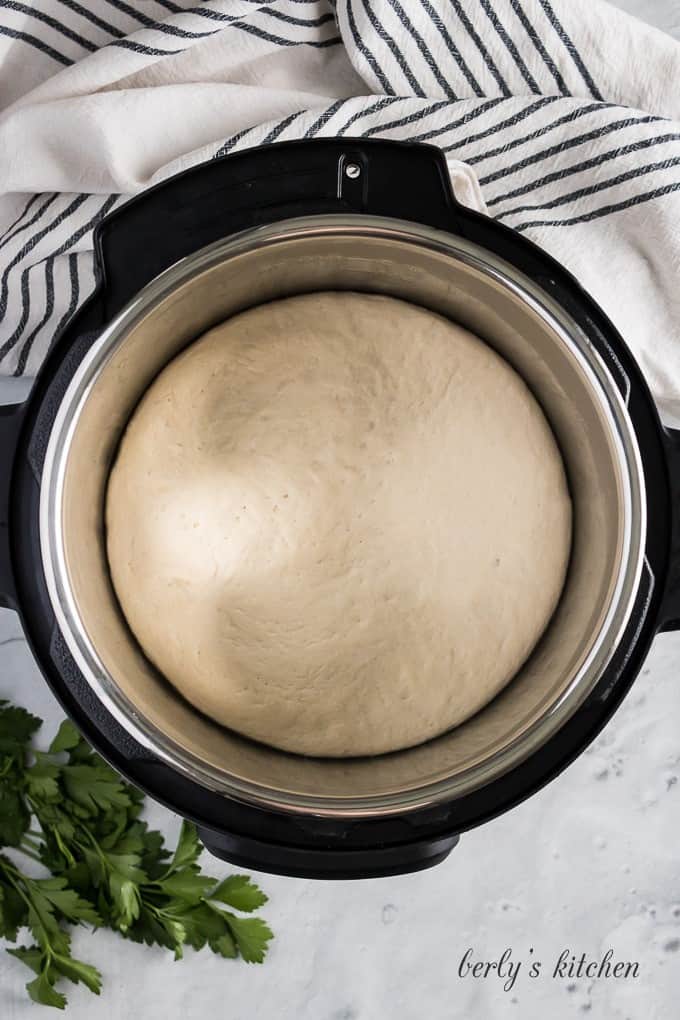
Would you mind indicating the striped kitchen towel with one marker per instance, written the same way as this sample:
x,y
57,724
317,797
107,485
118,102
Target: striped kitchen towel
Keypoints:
x,y
566,113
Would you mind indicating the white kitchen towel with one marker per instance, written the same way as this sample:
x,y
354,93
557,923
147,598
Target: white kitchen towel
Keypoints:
x,y
567,112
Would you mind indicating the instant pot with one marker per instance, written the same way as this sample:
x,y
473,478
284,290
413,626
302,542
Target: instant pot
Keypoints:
x,y
293,218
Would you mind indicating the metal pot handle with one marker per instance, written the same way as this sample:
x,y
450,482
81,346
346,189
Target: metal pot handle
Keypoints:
x,y
670,607
11,417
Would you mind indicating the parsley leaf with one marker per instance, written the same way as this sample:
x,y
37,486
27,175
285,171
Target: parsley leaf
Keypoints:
x,y
239,892
126,901
67,738
41,780
68,810
13,912
66,901
188,846
188,884
77,971
14,816
226,946
94,787
32,956
42,990
17,726
251,935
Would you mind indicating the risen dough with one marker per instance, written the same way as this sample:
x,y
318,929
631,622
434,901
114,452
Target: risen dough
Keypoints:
x,y
338,524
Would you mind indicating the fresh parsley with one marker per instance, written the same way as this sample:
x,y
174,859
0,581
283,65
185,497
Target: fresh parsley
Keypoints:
x,y
70,813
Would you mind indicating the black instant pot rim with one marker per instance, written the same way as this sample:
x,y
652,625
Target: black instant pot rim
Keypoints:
x,y
285,841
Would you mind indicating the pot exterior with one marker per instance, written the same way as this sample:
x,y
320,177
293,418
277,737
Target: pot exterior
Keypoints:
x,y
235,819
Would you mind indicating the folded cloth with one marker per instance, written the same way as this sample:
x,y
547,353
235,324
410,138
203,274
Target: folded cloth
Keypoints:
x,y
560,117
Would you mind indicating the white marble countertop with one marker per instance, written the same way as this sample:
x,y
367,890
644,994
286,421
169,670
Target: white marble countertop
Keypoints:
x,y
589,864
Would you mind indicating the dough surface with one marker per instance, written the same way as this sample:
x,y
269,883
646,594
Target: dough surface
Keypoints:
x,y
338,524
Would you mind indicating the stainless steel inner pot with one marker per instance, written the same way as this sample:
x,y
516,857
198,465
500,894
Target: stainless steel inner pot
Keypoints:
x,y
440,272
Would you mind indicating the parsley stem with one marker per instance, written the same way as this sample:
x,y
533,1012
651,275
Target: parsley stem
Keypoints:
x,y
9,870
94,844
68,856
49,829
15,878
23,888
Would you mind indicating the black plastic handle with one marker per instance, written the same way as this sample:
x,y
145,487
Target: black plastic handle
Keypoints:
x,y
257,186
670,607
329,862
11,417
